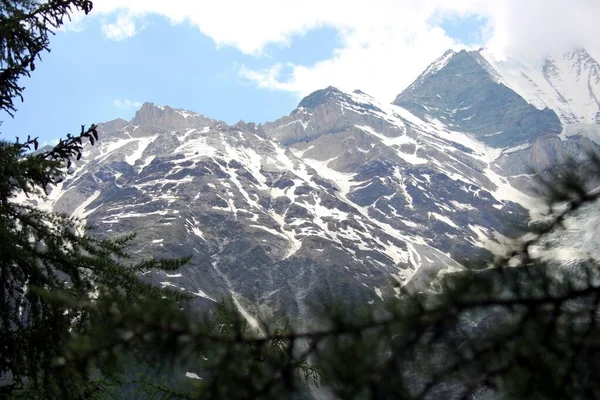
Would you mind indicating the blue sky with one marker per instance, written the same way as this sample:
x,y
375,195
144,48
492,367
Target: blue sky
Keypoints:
x,y
465,30
253,64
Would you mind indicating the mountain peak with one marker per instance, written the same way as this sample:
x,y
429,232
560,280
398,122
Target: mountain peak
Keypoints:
x,y
167,117
451,62
320,96
431,69
466,93
148,113
581,58
149,105
114,125
566,82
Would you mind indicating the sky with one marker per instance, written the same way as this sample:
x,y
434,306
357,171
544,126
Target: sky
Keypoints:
x,y
254,60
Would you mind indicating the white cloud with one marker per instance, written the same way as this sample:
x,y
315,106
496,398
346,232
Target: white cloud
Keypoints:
x,y
384,44
123,28
537,27
267,78
126,104
380,69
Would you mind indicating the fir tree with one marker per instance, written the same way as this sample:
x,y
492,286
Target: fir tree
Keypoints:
x,y
54,277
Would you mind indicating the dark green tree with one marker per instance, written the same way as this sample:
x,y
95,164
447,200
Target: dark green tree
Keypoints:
x,y
54,277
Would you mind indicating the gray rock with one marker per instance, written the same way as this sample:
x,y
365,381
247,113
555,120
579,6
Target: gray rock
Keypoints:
x,y
464,95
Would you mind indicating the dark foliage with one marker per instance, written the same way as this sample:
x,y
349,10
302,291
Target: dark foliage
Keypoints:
x,y
52,272
55,278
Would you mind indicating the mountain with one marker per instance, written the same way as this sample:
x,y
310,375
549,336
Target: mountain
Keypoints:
x,y
344,196
568,83
522,110
465,96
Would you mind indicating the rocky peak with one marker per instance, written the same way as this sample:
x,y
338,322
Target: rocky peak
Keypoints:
x,y
332,95
167,117
584,64
148,113
578,62
320,97
450,64
114,125
431,69
250,127
324,112
581,56
462,90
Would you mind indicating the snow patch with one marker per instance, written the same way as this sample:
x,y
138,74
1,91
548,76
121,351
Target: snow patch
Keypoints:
x,y
80,212
192,375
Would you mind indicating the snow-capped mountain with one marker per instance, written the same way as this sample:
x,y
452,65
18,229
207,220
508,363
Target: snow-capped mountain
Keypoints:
x,y
342,196
569,84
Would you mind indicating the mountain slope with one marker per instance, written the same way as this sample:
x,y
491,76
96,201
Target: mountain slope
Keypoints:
x,y
260,223
568,83
343,196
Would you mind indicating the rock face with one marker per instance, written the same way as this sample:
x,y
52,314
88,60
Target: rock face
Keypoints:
x,y
341,197
260,222
465,96
166,117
